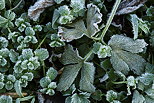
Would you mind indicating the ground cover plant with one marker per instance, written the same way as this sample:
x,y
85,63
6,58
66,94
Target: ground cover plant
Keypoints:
x,y
76,51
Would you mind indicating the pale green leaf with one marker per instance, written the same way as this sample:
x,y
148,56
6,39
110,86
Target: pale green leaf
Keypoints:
x,y
135,25
137,97
146,78
2,4
111,95
41,53
77,30
122,55
87,77
93,18
18,88
6,99
51,73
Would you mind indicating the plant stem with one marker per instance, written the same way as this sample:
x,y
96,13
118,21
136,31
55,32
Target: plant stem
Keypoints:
x,y
122,82
41,42
17,5
110,19
88,55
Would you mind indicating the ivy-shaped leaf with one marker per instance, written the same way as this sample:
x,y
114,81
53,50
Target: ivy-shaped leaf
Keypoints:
x,y
137,97
123,54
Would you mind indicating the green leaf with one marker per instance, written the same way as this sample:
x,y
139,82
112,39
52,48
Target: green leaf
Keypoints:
x,y
45,81
18,88
146,78
135,25
150,92
51,73
87,77
77,31
6,99
137,97
111,95
55,19
93,18
2,4
13,56
73,64
27,53
77,5
3,42
41,53
122,55
29,31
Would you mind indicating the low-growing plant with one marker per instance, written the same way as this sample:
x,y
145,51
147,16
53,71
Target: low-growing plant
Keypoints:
x,y
76,51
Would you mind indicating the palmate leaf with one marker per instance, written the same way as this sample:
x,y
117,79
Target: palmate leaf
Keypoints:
x,y
123,57
73,64
78,29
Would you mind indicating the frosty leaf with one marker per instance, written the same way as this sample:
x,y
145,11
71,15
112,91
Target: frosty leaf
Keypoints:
x,y
131,81
64,10
29,75
93,18
137,97
35,11
2,4
41,53
87,77
45,81
55,18
27,53
69,74
9,85
6,20
150,92
128,6
18,88
6,99
73,64
126,43
111,95
29,31
135,25
77,30
149,100
146,78
123,54
13,56
127,61
51,73
77,5
3,42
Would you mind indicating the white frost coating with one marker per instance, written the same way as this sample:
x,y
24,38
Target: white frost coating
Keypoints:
x,y
128,6
35,10
93,18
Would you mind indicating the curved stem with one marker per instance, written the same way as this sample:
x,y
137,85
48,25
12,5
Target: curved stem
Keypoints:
x,y
110,19
17,5
122,82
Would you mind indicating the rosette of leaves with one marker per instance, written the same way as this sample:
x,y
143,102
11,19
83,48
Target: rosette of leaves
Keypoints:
x,y
1,81
25,78
10,80
102,51
29,61
56,41
21,23
65,15
112,97
30,36
46,84
6,21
